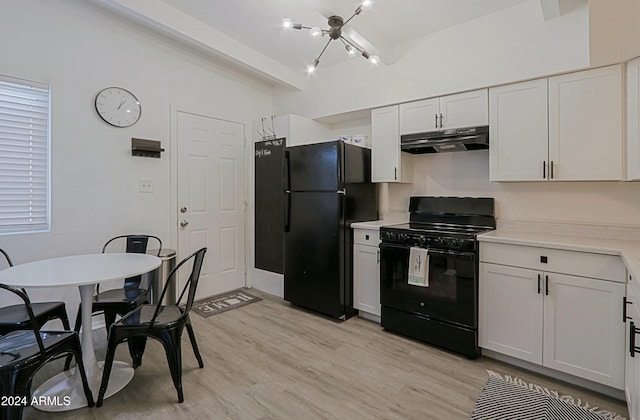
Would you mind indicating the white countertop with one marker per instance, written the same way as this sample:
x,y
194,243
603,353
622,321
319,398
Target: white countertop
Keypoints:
x,y
377,224
628,250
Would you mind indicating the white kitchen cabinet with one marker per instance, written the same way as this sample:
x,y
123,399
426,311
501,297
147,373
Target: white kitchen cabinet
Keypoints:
x,y
366,271
465,109
518,131
633,120
570,131
560,309
632,363
388,163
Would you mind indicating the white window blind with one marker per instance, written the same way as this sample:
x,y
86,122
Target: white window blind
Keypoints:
x,y
24,156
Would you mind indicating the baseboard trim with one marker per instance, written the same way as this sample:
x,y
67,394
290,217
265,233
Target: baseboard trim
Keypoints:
x,y
574,380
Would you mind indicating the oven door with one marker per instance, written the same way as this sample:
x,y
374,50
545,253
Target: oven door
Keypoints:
x,y
452,292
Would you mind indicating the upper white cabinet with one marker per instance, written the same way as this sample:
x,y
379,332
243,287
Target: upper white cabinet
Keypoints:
x,y
453,111
585,125
633,119
388,164
518,131
571,131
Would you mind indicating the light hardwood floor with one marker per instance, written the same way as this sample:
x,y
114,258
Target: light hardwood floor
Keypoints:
x,y
269,360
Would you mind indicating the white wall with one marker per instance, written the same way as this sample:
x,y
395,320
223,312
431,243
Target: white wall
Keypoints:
x,y
467,174
510,45
78,48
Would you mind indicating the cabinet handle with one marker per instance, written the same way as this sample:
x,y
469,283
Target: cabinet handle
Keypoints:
x,y
625,302
546,285
632,339
544,169
378,257
436,126
539,283
551,169
395,173
441,120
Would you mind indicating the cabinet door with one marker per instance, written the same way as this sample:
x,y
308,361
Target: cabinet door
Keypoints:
x,y
518,131
388,164
633,119
420,116
583,328
510,307
366,279
632,378
466,109
585,125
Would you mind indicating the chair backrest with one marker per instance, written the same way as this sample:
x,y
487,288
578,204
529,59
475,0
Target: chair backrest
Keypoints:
x,y
6,257
190,286
136,244
32,319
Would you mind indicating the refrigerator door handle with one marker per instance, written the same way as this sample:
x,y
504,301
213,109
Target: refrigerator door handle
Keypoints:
x,y
287,172
287,211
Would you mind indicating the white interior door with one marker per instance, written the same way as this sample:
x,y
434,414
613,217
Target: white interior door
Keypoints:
x,y
211,209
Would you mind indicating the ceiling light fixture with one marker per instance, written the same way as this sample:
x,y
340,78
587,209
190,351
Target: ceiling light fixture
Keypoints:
x,y
336,23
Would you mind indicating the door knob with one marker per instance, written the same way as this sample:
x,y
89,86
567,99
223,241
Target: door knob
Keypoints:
x,y
184,223
183,209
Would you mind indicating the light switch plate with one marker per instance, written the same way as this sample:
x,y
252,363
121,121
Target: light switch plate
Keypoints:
x,y
145,186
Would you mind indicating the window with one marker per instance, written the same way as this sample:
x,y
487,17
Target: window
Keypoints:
x,y
24,156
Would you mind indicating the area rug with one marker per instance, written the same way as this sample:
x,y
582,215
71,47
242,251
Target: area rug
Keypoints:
x,y
510,398
222,303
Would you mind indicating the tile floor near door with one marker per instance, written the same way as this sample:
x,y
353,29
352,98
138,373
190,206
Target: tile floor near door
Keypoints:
x,y
269,360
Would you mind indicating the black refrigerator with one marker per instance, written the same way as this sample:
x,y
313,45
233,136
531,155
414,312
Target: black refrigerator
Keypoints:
x,y
327,187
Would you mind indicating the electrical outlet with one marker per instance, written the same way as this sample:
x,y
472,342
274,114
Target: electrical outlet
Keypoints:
x,y
145,186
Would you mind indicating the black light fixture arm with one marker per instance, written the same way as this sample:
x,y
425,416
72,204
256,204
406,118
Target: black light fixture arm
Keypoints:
x,y
356,13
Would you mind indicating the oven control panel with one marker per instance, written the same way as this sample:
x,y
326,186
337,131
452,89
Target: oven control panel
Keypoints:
x,y
408,238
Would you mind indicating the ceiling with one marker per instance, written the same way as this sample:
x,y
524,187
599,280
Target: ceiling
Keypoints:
x,y
257,24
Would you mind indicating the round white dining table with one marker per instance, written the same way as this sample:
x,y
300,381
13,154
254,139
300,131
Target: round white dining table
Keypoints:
x,y
65,390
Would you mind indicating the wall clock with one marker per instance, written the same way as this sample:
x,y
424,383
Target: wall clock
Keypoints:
x,y
118,107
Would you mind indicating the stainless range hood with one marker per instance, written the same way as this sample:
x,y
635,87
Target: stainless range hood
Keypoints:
x,y
452,140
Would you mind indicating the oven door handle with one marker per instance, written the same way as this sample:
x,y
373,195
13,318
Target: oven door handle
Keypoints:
x,y
430,251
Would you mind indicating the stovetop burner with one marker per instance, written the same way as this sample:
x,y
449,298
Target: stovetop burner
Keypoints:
x,y
446,223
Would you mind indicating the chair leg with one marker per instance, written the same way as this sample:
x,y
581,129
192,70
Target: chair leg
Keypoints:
x,y
136,349
192,338
171,343
76,328
83,375
109,319
106,369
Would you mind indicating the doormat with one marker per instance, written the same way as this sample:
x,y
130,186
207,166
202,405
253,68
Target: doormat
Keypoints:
x,y
509,398
221,303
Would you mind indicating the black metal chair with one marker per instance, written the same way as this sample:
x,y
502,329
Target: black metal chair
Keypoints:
x,y
133,294
24,352
15,317
164,323
120,301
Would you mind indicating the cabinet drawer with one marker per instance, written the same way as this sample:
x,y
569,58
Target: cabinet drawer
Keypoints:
x,y
585,264
366,237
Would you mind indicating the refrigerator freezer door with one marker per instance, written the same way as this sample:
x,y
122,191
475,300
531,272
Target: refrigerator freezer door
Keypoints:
x,y
314,167
314,268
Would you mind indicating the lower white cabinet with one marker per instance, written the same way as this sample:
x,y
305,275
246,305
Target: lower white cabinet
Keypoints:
x,y
560,320
632,359
366,271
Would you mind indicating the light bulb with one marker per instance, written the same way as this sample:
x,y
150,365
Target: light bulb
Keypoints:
x,y
366,4
311,69
351,51
315,32
287,23
374,59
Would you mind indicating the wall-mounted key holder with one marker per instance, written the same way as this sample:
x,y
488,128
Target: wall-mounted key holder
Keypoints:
x,y
146,148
